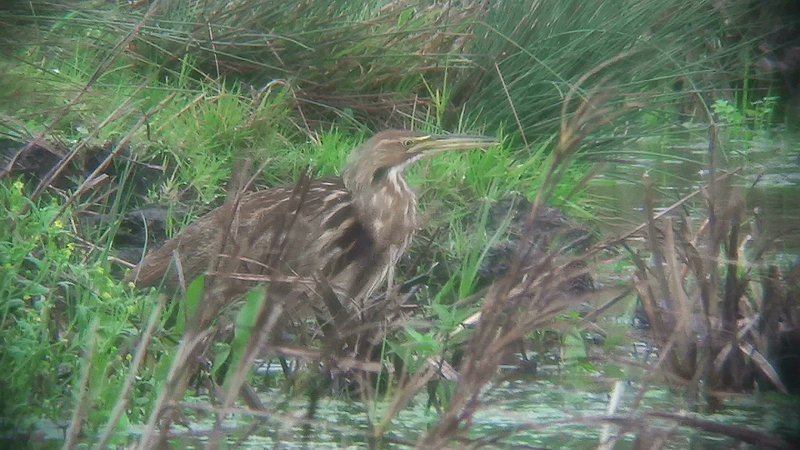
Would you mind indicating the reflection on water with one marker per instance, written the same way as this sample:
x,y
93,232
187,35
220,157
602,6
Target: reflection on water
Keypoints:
x,y
554,414
769,181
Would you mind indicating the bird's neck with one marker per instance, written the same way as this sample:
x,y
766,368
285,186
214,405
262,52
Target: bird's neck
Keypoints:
x,y
388,208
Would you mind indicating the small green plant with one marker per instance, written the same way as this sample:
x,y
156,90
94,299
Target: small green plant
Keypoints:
x,y
50,292
747,122
727,112
762,112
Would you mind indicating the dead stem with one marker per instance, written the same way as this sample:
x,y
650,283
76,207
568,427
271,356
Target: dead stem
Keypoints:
x,y
528,297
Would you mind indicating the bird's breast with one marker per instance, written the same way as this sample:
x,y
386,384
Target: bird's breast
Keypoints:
x,y
393,216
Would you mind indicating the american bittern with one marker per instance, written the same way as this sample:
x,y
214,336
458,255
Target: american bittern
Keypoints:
x,y
351,230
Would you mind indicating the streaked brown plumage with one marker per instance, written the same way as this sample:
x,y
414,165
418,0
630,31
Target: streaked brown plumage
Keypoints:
x,y
349,229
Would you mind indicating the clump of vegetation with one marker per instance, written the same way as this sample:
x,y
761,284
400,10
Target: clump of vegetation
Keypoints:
x,y
53,288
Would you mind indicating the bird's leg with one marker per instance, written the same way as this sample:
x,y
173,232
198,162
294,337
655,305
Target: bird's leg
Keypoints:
x,y
394,255
179,271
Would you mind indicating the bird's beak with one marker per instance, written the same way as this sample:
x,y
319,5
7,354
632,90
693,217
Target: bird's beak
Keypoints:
x,y
437,143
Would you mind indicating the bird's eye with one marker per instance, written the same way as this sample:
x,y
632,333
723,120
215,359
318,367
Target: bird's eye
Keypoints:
x,y
408,143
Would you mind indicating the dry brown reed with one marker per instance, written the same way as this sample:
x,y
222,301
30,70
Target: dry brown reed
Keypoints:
x,y
529,296
704,297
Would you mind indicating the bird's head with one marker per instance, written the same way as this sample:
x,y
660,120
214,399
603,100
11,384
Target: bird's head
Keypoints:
x,y
385,156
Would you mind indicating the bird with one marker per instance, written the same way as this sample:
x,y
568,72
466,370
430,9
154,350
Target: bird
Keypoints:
x,y
351,229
